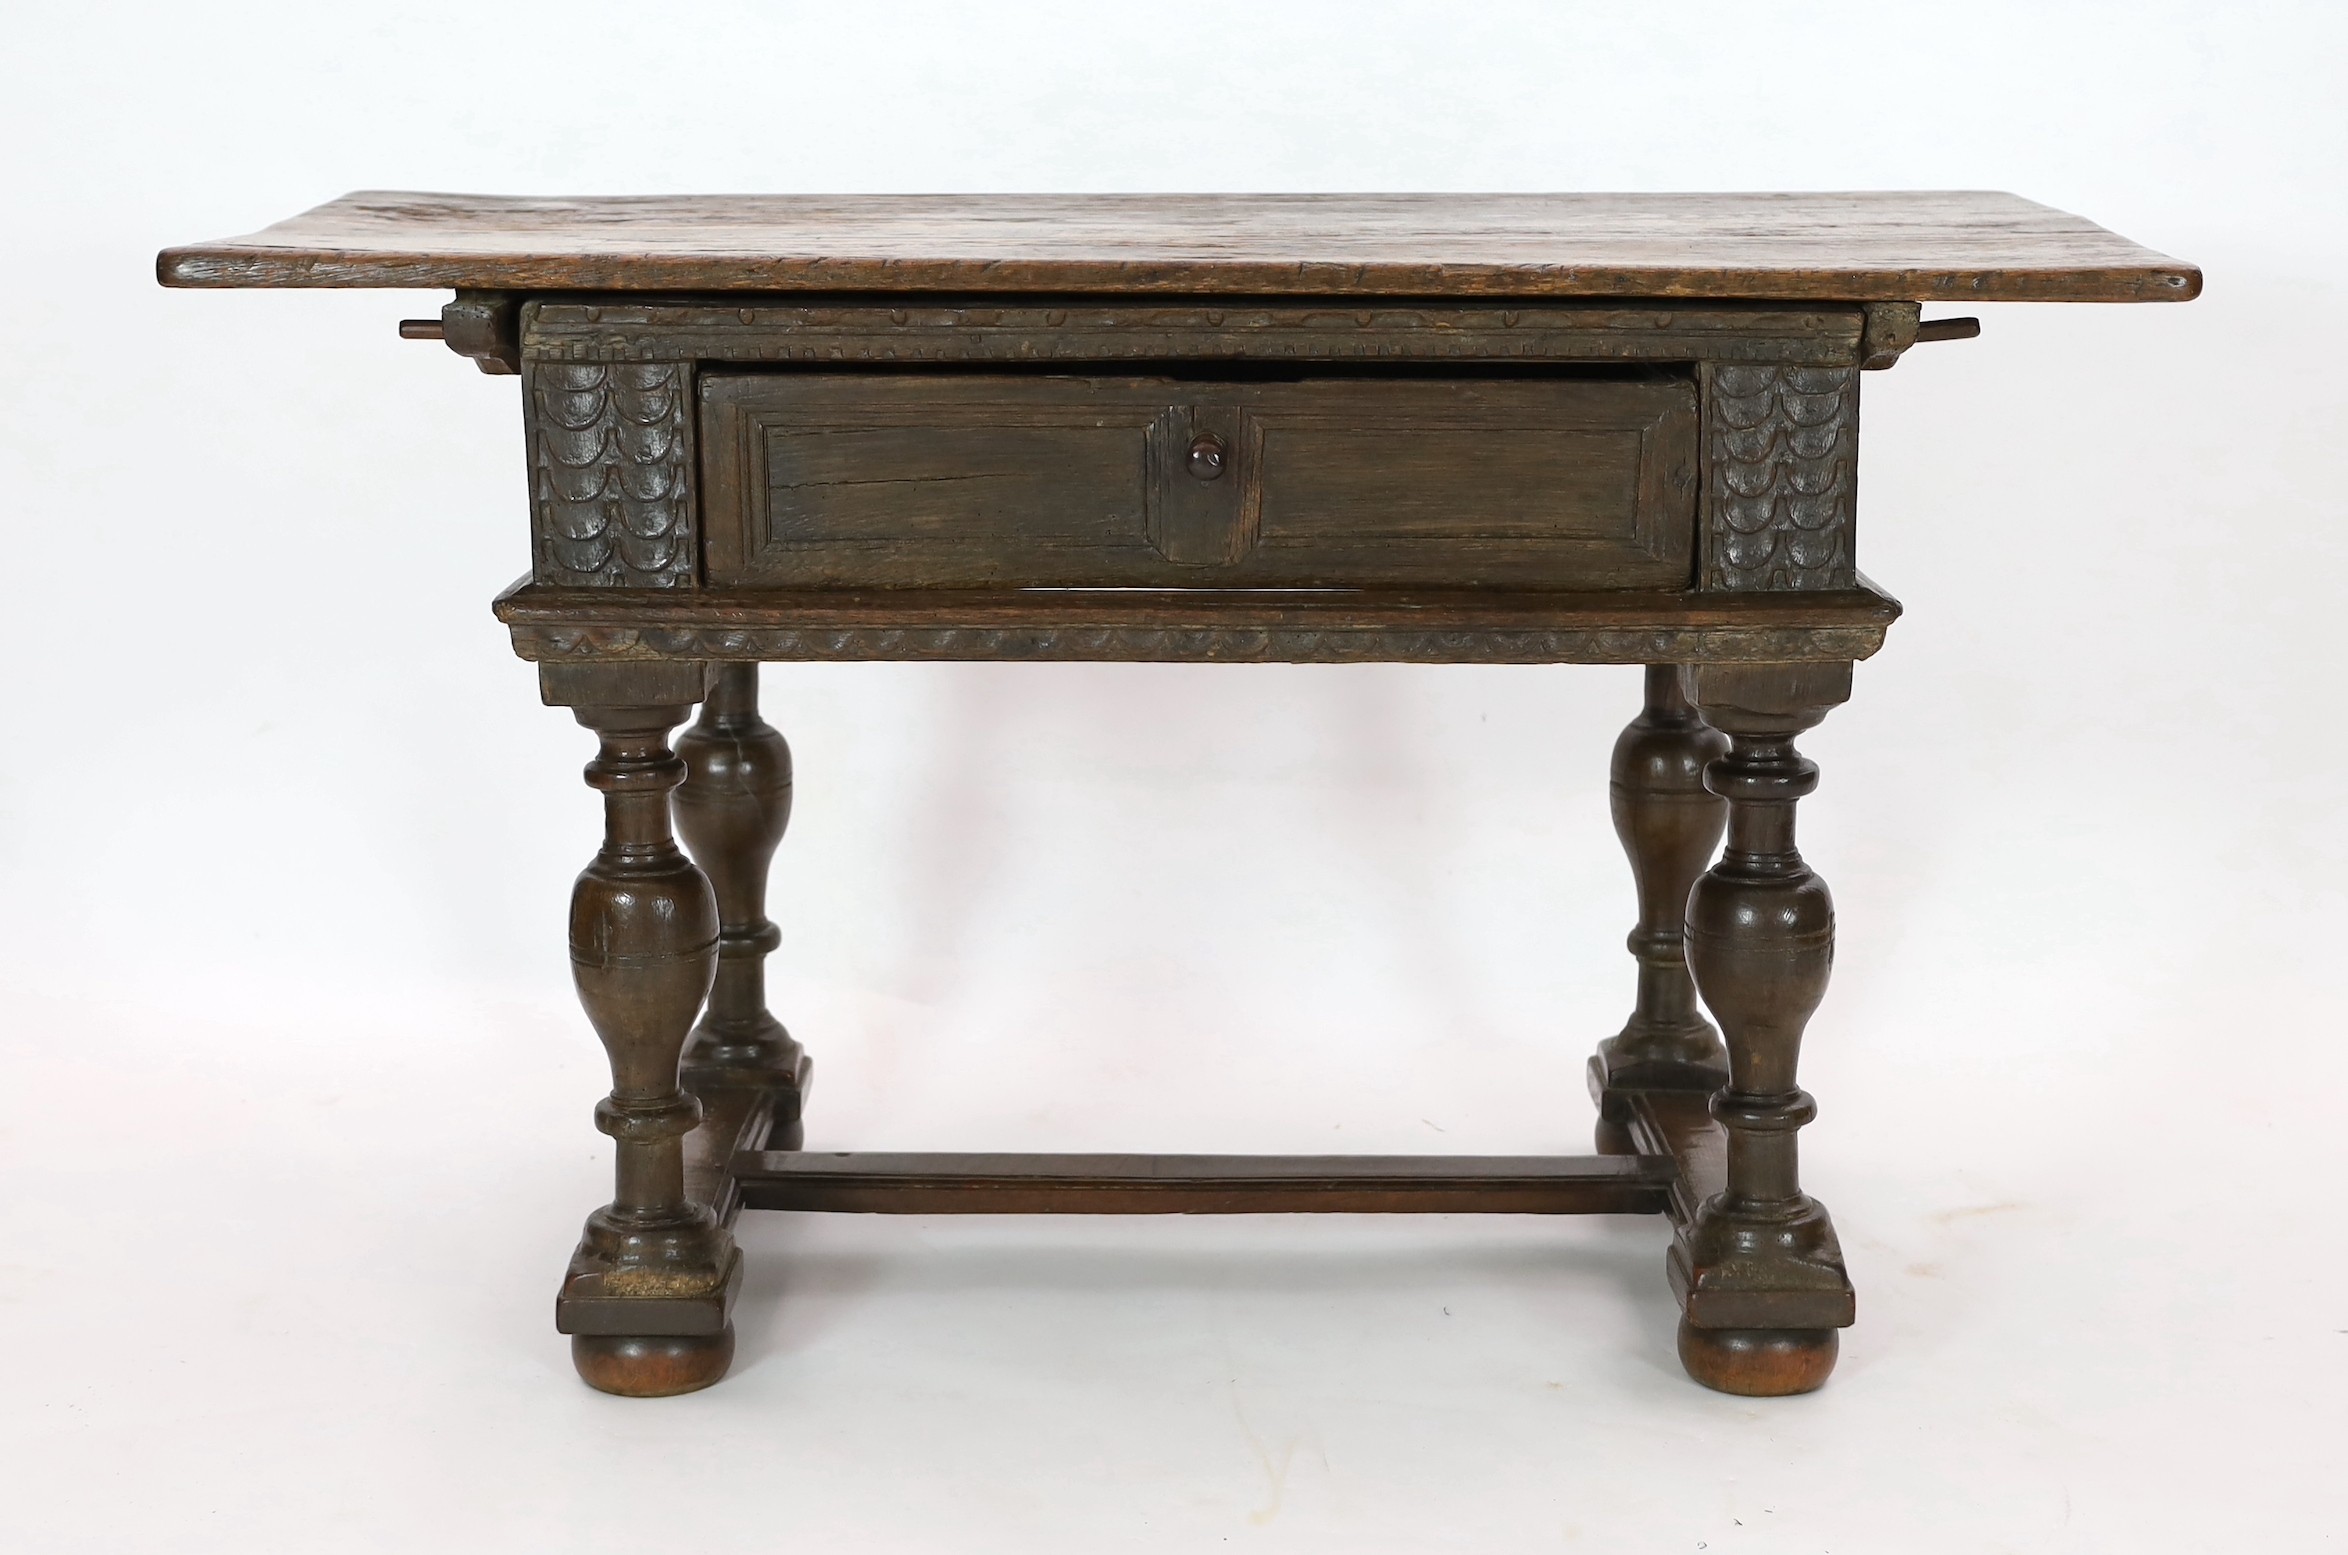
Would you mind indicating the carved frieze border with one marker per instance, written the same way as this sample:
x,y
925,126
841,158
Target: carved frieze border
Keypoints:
x,y
1331,645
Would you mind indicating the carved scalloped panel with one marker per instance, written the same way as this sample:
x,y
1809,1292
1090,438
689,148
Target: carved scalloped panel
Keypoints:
x,y
1781,449
611,461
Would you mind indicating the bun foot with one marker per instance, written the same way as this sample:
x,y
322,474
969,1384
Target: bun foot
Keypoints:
x,y
1758,1362
636,1366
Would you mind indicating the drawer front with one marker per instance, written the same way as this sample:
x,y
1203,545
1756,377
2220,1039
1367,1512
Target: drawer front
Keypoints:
x,y
880,480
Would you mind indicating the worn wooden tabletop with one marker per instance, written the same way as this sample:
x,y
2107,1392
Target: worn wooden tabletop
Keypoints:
x,y
1926,247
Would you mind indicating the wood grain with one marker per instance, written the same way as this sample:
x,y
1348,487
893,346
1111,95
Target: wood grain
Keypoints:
x,y
923,1183
611,473
1761,1254
903,481
1877,246
731,813
1669,825
608,629
898,332
1514,428
644,930
1781,499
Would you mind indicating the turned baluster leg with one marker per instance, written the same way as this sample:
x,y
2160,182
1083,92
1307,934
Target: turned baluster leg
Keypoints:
x,y
646,1297
731,812
1669,824
1757,1267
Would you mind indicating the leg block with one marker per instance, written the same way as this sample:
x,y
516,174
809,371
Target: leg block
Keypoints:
x,y
648,1290
1670,824
1756,1265
731,812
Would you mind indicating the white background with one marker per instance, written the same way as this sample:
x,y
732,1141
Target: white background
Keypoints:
x,y
296,1129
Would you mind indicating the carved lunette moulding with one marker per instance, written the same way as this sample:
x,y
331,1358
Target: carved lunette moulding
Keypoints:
x,y
1173,644
611,473
1781,482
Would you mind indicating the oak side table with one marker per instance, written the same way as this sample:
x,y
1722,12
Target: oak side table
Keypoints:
x,y
1555,429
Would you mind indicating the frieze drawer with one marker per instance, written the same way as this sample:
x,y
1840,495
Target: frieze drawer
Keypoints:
x,y
823,480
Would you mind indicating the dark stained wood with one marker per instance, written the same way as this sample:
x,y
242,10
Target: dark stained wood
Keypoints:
x,y
737,1116
1781,487
1759,1362
612,500
1183,428
897,332
642,682
644,929
828,480
652,1365
731,813
1669,824
838,480
1887,330
1898,247
485,326
1761,1254
740,1110
602,626
1678,1123
1017,1184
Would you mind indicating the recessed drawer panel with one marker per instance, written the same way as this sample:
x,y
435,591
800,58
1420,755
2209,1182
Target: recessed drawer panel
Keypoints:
x,y
820,480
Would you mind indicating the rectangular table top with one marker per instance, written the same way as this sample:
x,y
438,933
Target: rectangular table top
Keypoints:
x,y
1916,247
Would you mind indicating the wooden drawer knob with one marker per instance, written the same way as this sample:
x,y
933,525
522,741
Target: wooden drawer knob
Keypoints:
x,y
1206,457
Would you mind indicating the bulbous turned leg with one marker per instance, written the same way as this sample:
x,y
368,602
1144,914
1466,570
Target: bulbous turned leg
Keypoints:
x,y
1669,824
1757,1268
648,1292
732,811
